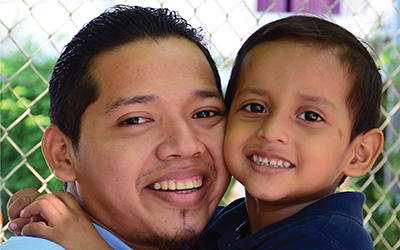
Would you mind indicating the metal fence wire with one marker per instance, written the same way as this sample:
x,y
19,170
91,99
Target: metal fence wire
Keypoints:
x,y
33,33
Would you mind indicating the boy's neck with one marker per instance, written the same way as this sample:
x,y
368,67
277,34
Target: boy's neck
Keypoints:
x,y
262,213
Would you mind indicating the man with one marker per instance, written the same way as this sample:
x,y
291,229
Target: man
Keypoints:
x,y
137,127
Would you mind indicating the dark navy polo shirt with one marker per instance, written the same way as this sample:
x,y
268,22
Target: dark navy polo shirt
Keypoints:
x,y
334,222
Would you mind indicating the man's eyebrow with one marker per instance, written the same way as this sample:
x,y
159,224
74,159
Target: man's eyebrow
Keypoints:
x,y
129,101
204,94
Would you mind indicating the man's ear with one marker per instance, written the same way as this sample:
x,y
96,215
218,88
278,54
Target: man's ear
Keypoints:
x,y
367,148
58,152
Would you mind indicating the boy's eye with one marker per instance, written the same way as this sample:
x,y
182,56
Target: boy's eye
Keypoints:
x,y
135,121
205,114
255,108
310,116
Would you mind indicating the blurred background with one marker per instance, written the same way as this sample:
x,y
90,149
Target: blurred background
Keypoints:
x,y
34,32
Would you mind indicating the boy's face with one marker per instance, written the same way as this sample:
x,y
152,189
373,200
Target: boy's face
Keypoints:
x,y
157,125
289,112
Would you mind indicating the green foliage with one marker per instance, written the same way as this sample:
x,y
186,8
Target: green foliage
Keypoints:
x,y
384,199
227,193
20,101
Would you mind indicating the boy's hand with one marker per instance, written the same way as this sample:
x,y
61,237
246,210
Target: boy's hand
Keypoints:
x,y
16,204
64,222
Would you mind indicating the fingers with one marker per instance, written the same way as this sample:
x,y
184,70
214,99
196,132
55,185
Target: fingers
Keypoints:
x,y
47,206
16,225
38,229
65,220
28,205
37,218
64,217
19,201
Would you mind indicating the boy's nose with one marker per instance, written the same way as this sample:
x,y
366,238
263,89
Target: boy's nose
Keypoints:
x,y
274,129
179,141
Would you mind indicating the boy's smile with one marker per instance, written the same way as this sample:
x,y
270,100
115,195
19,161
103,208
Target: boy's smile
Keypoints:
x,y
288,130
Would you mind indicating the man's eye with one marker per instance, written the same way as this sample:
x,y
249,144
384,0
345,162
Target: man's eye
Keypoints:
x,y
205,114
255,108
310,116
135,121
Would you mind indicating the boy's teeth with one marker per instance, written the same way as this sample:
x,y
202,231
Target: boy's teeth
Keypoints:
x,y
270,163
254,158
179,185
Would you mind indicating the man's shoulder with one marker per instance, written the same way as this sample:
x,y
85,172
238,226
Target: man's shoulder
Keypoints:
x,y
31,243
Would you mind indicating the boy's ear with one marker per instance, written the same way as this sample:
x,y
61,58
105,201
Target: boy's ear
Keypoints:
x,y
367,148
58,152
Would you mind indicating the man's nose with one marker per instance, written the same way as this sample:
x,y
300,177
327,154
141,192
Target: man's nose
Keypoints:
x,y
275,128
180,140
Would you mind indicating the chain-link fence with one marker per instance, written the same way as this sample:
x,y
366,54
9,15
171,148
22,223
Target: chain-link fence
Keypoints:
x,y
33,32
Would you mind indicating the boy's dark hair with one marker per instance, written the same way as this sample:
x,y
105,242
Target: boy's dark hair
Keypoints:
x,y
71,87
364,96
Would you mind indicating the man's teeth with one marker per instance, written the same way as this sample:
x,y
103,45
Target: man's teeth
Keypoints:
x,y
178,185
270,163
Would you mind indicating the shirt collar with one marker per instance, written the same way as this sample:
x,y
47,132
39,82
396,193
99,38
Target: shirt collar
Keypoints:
x,y
111,239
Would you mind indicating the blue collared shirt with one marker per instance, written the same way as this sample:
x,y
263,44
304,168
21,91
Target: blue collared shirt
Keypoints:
x,y
111,239
32,243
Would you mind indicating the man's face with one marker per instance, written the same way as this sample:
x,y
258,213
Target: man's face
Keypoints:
x,y
150,154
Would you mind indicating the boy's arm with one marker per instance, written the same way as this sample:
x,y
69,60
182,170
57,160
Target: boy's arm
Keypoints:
x,y
64,221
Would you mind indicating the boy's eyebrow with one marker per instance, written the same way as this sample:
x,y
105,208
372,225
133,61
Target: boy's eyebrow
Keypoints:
x,y
310,98
129,101
247,90
318,100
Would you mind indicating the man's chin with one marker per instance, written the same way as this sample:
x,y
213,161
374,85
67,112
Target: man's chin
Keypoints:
x,y
188,237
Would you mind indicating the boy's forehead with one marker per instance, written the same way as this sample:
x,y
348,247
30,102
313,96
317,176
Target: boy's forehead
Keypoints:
x,y
304,67
270,51
285,45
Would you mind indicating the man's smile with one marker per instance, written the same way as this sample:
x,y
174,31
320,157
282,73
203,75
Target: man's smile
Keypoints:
x,y
183,192
183,185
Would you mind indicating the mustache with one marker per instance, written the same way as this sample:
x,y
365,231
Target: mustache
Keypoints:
x,y
177,165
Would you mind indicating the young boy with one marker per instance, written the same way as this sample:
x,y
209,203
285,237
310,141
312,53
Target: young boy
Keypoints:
x,y
304,103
